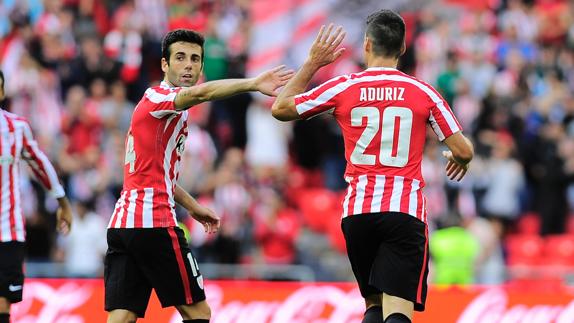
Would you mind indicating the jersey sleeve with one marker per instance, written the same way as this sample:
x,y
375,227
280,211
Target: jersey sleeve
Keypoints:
x,y
161,101
442,120
40,165
320,99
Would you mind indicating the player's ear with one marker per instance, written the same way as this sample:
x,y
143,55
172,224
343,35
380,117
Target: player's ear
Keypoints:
x,y
164,64
367,44
403,48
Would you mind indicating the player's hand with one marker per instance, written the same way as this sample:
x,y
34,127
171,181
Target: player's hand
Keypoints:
x,y
454,169
64,216
270,81
207,218
325,49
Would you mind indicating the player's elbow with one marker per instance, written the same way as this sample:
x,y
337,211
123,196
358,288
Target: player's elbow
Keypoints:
x,y
281,111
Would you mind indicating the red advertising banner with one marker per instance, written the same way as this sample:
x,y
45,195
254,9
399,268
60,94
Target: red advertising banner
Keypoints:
x,y
81,301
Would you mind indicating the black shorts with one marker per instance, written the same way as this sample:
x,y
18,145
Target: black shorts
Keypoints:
x,y
11,270
389,254
138,260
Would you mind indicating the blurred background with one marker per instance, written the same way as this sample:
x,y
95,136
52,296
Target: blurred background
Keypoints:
x,y
76,69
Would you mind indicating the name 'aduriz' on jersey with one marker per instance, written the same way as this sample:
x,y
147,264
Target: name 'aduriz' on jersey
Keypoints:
x,y
382,94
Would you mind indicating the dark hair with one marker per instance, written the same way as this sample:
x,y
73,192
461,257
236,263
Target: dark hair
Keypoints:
x,y
2,78
185,35
386,30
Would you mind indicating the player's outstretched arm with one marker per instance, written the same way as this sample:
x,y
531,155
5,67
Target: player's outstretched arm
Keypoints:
x,y
64,216
324,51
267,83
459,156
203,215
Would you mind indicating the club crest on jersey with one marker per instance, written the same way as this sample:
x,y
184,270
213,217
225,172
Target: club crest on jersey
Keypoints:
x,y
180,144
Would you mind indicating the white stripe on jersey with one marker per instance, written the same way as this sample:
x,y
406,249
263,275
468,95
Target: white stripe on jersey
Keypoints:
x,y
340,87
413,197
347,197
157,97
436,128
397,193
120,212
360,197
131,208
378,193
147,214
167,161
19,220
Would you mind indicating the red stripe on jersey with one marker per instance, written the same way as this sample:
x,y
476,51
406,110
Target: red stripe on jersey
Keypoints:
x,y
12,211
423,267
125,210
406,195
387,193
138,212
420,201
369,190
181,264
397,125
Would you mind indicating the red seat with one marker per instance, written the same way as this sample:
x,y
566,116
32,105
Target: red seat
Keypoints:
x,y
559,249
529,223
524,249
319,207
524,256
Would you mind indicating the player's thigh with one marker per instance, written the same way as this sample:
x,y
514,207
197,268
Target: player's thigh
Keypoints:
x,y
11,271
170,267
362,241
400,268
126,286
394,304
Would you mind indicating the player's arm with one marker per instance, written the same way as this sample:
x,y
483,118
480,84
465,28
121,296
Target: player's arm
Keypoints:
x,y
200,213
323,52
45,173
267,83
461,152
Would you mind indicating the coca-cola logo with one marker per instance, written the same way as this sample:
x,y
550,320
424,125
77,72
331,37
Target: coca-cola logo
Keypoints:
x,y
309,304
57,303
492,307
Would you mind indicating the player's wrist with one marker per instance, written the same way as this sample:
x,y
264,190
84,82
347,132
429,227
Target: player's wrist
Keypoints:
x,y
311,65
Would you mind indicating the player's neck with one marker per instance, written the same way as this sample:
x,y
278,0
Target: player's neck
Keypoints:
x,y
383,62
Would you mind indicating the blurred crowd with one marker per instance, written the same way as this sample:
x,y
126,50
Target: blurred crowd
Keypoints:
x,y
76,69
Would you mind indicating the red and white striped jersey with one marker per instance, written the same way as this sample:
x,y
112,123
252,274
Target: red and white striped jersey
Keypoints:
x,y
17,143
383,114
154,145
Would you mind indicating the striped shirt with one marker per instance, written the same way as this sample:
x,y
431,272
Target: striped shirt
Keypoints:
x,y
383,114
17,143
154,145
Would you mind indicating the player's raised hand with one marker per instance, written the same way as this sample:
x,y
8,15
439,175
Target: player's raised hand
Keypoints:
x,y
454,169
64,216
270,81
207,218
325,48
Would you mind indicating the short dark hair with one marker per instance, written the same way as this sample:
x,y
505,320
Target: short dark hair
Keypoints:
x,y
2,78
185,35
386,30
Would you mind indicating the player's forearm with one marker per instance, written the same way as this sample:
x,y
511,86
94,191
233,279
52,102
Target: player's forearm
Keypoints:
x,y
284,106
213,90
183,198
63,202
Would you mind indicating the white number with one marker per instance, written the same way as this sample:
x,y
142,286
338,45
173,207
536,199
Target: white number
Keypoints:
x,y
358,157
193,264
403,142
130,153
